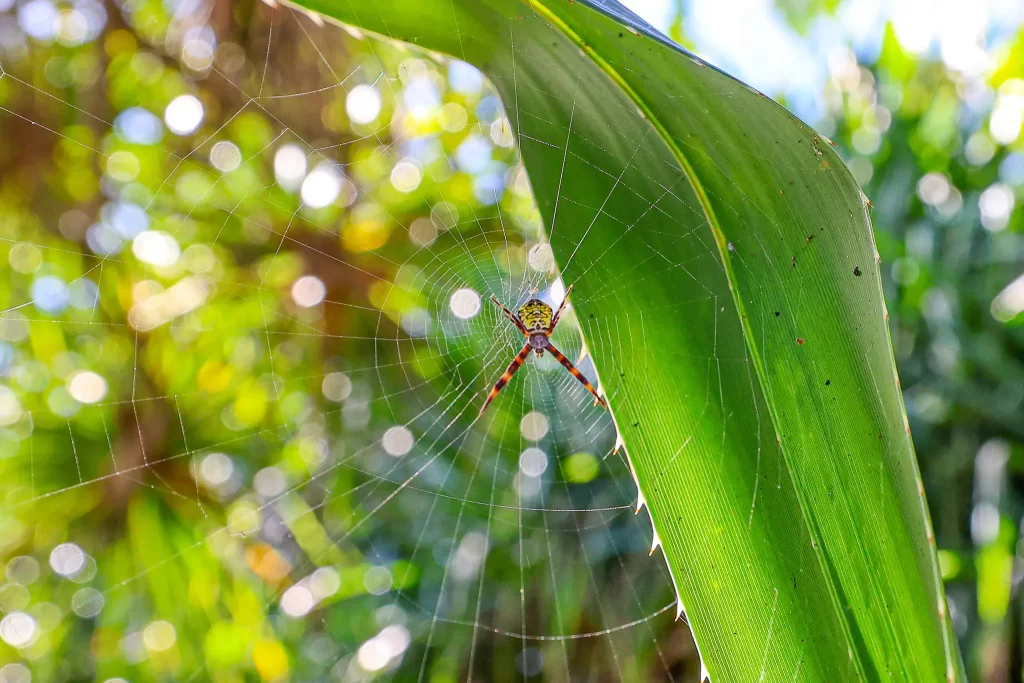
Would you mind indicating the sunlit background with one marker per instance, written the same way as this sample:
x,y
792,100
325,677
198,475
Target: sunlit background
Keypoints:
x,y
244,279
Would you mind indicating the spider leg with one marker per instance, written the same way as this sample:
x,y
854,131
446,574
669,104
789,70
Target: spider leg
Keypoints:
x,y
561,307
511,316
506,376
576,373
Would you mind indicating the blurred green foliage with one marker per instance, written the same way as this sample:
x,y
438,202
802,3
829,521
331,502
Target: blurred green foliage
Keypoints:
x,y
234,427
942,158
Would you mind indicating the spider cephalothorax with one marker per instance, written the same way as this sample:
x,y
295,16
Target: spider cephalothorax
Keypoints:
x,y
536,323
536,318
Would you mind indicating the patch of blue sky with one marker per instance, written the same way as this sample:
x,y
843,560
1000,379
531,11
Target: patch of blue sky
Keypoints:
x,y
762,49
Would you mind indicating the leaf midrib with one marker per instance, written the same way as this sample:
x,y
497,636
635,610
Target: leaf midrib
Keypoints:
x,y
720,241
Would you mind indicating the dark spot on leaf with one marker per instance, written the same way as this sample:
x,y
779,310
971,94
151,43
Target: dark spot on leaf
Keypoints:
x,y
620,34
810,237
856,271
792,262
800,341
828,382
636,424
777,314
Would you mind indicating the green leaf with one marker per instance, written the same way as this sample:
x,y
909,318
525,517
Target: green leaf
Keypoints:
x,y
728,288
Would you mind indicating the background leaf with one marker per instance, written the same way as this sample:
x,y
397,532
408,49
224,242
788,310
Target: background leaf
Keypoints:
x,y
756,394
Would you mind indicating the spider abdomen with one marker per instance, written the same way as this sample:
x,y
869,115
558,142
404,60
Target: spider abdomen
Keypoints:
x,y
536,315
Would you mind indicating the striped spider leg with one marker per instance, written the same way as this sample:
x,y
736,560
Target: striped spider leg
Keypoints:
x,y
537,323
511,316
558,313
576,373
516,363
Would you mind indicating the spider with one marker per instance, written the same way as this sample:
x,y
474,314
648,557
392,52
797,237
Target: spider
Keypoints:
x,y
536,323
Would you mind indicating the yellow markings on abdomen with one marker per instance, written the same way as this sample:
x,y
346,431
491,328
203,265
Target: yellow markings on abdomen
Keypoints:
x,y
536,315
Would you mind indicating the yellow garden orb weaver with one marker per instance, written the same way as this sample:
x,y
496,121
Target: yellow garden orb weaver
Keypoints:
x,y
536,323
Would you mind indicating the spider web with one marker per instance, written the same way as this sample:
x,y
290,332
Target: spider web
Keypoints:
x,y
323,473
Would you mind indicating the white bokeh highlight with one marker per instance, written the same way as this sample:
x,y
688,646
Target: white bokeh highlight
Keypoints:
x,y
465,303
86,386
534,426
290,166
397,441
67,559
157,248
308,291
379,651
321,187
363,104
297,601
533,462
225,156
184,115
18,629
